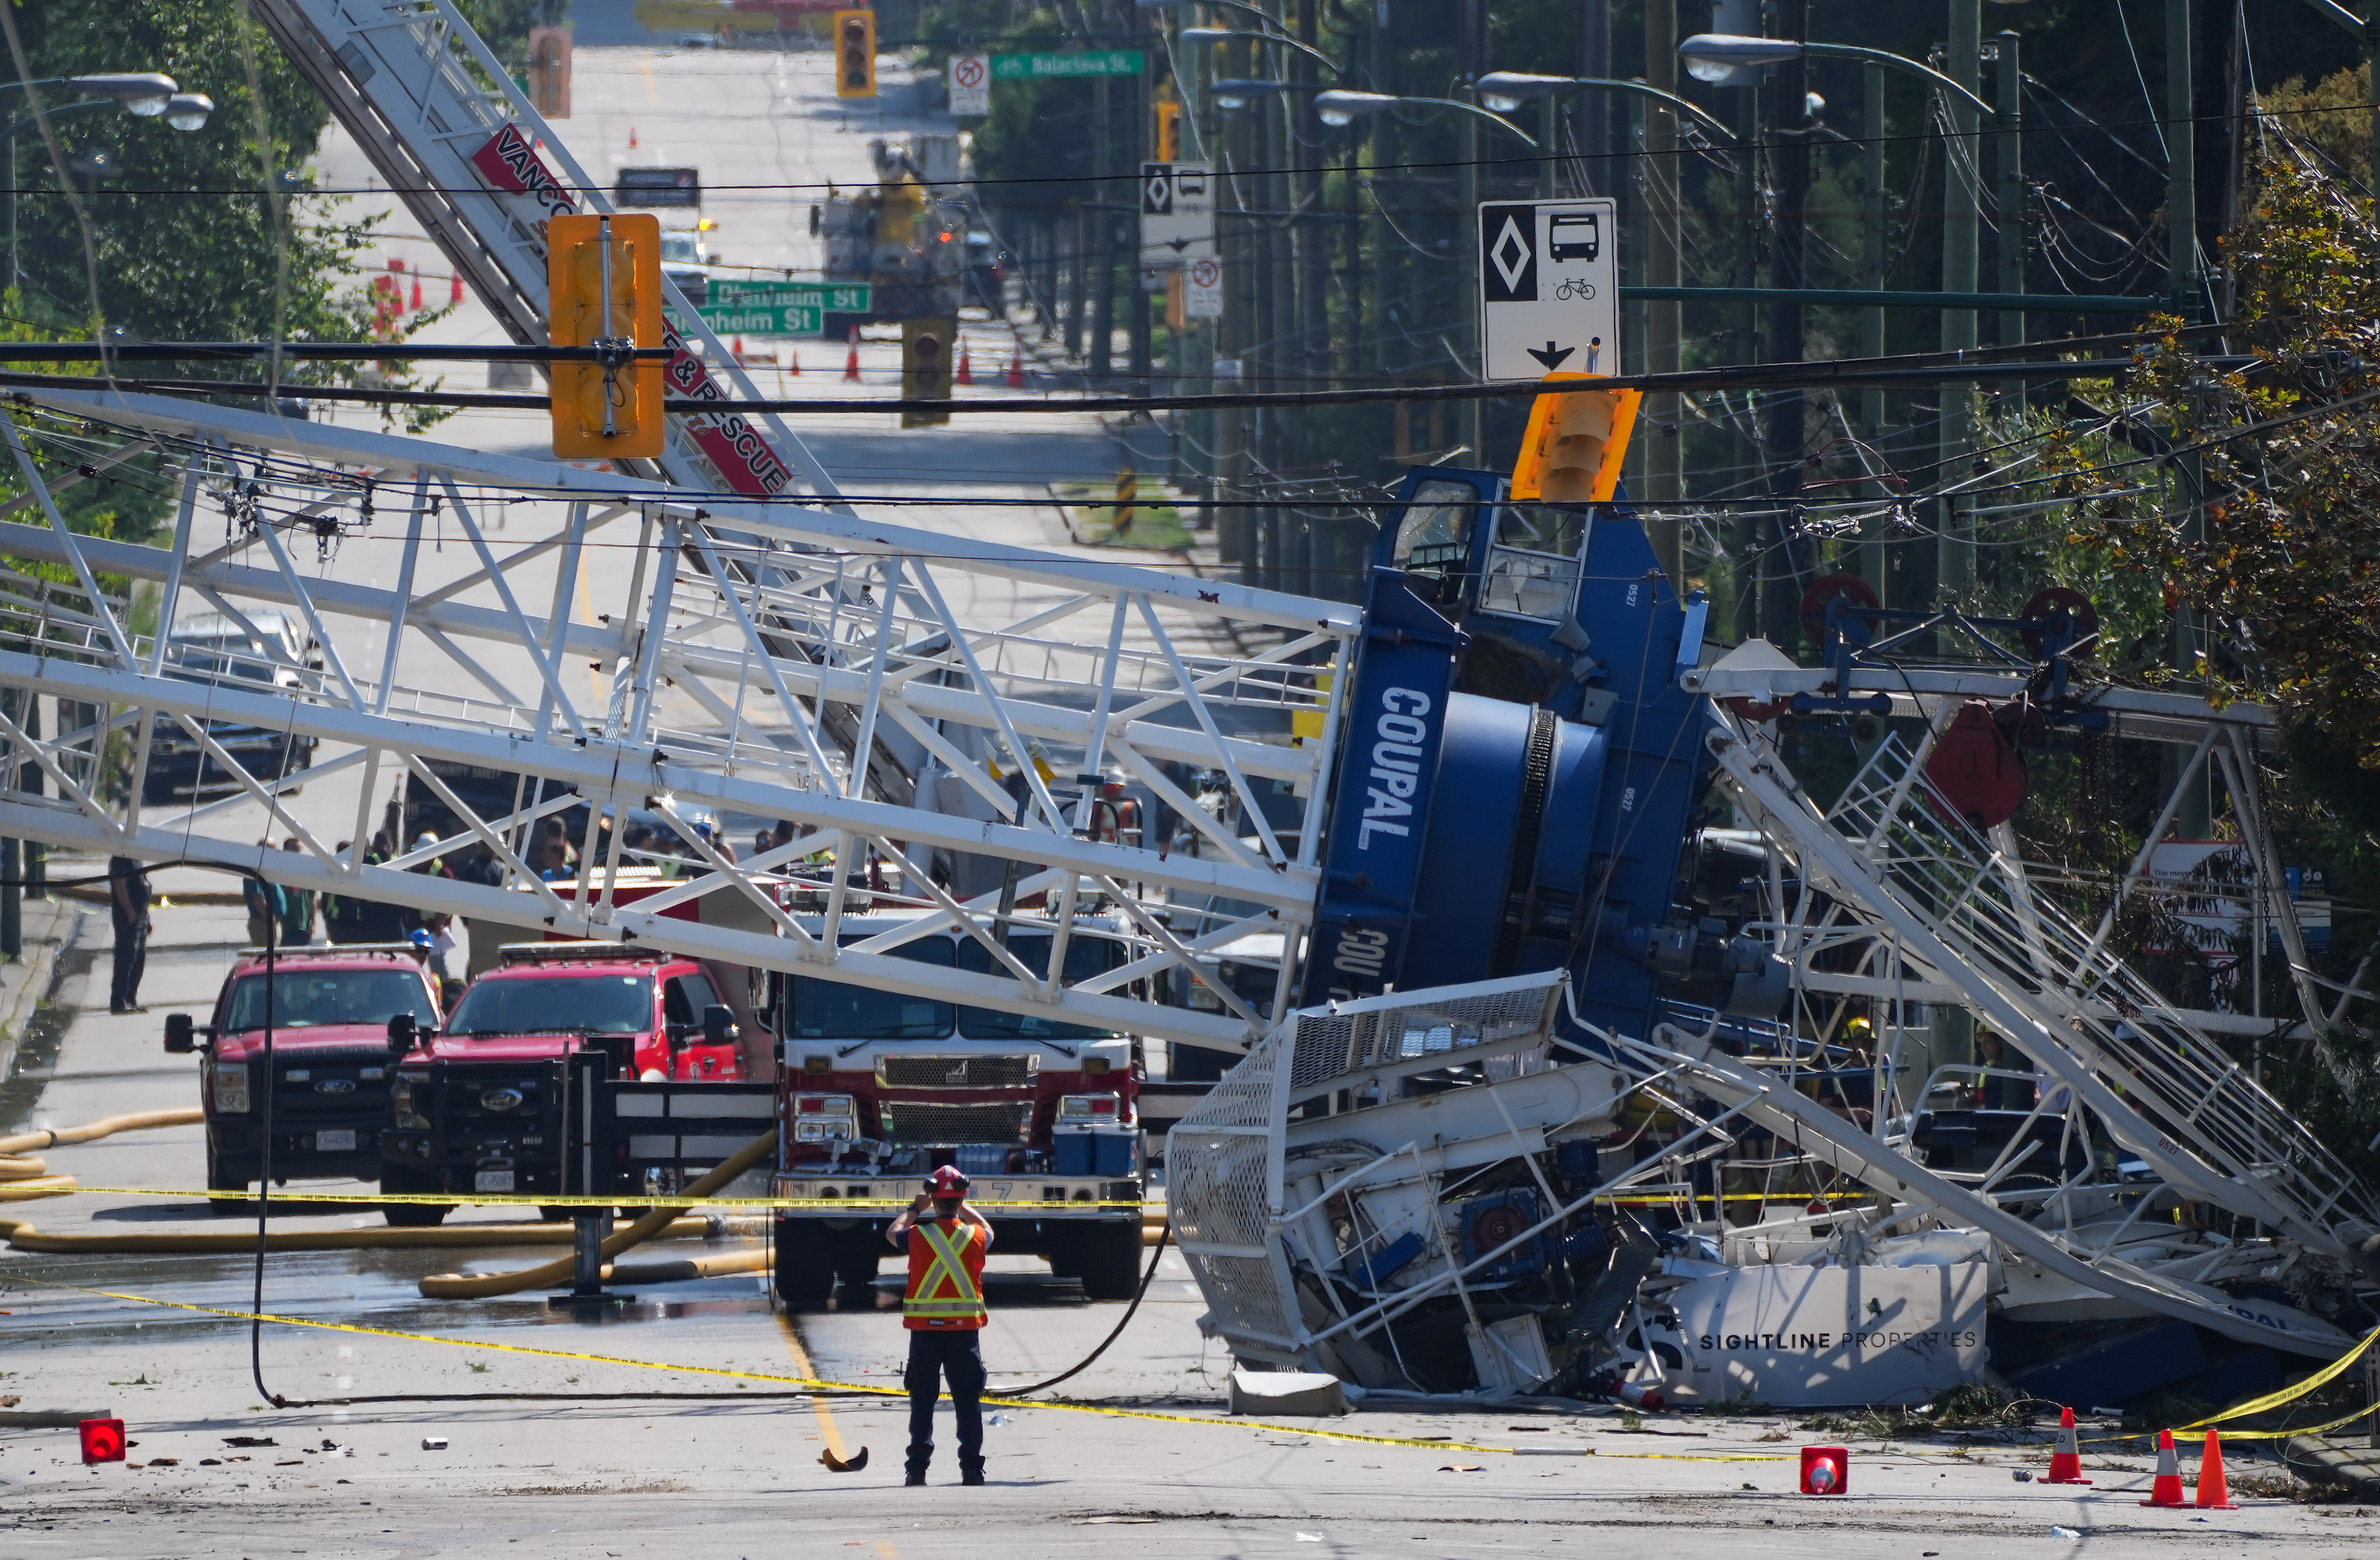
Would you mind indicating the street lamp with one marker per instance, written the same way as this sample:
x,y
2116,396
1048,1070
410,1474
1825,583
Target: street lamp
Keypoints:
x,y
145,94
1714,56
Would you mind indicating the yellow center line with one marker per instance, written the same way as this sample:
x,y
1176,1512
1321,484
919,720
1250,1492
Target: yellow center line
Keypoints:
x,y
828,1433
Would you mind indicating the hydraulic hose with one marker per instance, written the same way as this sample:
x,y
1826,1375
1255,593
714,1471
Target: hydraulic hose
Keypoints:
x,y
23,1168
457,1286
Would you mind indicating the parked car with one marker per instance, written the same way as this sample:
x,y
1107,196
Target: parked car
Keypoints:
x,y
271,653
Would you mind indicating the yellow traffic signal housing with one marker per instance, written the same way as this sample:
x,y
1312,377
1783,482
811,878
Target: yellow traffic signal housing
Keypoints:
x,y
1168,140
927,348
607,409
854,54
1575,445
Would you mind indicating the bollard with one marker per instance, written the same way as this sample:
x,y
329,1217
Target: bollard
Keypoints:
x,y
587,1263
1128,489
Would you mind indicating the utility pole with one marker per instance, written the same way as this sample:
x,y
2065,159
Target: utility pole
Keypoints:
x,y
1470,63
2181,161
1872,247
1594,108
2195,817
1235,135
1665,446
2010,114
1780,572
1961,235
1138,104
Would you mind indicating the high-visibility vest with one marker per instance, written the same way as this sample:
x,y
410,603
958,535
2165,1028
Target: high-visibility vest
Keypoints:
x,y
945,1277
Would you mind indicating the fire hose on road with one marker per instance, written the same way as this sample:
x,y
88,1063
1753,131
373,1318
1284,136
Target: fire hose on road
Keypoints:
x,y
456,1286
25,1174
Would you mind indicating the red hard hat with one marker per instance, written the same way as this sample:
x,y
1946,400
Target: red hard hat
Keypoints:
x,y
948,1181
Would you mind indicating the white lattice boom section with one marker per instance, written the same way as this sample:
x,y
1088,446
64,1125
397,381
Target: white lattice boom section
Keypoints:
x,y
697,687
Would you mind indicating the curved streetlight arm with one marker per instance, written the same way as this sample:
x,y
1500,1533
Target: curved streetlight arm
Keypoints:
x,y
1701,115
1897,61
1527,139
1218,35
1293,42
29,120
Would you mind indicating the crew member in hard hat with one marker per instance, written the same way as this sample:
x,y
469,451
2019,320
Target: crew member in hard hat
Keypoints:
x,y
944,1312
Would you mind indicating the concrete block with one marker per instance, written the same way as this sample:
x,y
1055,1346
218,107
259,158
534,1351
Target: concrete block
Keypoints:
x,y
1292,1393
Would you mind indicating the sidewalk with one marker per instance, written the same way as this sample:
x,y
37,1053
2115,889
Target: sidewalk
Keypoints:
x,y
50,925
2350,1460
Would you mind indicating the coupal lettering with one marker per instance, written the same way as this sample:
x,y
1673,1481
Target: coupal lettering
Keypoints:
x,y
1400,739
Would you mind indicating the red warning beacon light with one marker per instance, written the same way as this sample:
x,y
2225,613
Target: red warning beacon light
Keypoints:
x,y
103,1441
1826,1470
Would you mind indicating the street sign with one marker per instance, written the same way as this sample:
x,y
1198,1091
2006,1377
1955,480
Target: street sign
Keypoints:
x,y
841,297
1037,67
763,319
779,308
1177,214
971,84
1549,288
1202,290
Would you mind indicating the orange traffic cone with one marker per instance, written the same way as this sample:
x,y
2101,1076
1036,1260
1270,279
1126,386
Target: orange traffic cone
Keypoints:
x,y
739,349
632,135
1016,367
2066,1463
2167,1491
456,295
416,295
967,365
851,363
2214,1489
794,363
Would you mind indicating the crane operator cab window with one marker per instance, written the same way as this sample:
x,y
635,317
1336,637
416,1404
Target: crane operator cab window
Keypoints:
x,y
1533,567
1434,538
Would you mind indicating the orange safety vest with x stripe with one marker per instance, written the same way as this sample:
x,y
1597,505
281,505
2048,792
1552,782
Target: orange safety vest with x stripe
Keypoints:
x,y
945,1277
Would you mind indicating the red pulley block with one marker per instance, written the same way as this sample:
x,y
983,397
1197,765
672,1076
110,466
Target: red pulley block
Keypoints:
x,y
1855,593
2047,607
103,1441
1974,770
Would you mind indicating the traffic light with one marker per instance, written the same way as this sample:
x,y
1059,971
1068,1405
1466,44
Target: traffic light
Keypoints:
x,y
854,54
603,276
1574,444
926,353
1168,140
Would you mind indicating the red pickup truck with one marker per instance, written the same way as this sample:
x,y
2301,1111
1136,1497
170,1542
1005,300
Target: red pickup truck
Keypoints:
x,y
332,1008
477,1105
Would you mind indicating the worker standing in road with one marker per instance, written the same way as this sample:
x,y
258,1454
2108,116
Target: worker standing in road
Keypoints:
x,y
944,1312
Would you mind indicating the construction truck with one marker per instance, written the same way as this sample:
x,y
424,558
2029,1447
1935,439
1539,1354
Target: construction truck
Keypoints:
x,y
908,243
878,1088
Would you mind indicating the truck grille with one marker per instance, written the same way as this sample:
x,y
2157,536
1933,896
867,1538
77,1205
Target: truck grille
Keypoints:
x,y
906,1121
332,1088
959,1073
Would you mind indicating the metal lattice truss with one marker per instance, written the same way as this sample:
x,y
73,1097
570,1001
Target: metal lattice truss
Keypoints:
x,y
1921,908
906,692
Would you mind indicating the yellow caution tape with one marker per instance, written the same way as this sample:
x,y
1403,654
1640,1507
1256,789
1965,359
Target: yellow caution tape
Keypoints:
x,y
869,1390
2287,1395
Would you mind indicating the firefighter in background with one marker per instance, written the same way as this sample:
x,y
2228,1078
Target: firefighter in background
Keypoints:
x,y
943,1311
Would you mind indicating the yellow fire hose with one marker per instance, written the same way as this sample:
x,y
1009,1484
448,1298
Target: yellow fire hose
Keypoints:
x,y
23,1237
21,1173
456,1286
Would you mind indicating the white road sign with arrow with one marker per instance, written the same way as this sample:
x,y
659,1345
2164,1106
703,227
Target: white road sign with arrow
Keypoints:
x,y
1177,214
1549,288
970,85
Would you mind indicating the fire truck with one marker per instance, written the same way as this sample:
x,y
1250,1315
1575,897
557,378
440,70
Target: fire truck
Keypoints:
x,y
878,1088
